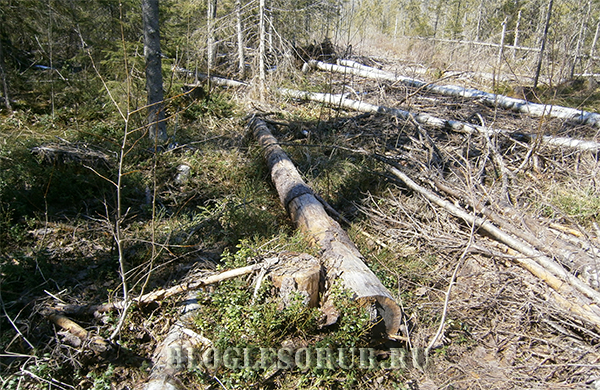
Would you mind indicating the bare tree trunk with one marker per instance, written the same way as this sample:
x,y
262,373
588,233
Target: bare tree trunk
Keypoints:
x,y
479,17
240,39
211,14
269,23
261,49
580,39
154,80
4,79
543,46
516,41
588,67
501,49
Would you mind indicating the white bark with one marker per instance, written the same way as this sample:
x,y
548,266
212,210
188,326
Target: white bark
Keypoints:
x,y
509,103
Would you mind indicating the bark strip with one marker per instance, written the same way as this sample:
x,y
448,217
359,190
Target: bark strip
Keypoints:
x,y
340,256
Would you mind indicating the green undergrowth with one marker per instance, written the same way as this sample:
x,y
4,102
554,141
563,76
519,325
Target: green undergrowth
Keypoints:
x,y
231,316
57,220
580,204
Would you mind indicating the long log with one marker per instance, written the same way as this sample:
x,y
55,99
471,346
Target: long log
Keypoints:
x,y
339,100
506,102
340,256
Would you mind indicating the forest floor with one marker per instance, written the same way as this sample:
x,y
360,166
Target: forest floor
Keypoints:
x,y
502,328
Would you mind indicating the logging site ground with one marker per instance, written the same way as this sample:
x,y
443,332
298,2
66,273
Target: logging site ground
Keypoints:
x,y
484,234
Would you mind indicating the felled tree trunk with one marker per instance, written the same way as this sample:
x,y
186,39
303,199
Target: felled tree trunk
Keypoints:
x,y
506,102
340,256
429,120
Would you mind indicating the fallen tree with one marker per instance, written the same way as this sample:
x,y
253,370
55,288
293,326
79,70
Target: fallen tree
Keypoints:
x,y
340,100
341,258
506,102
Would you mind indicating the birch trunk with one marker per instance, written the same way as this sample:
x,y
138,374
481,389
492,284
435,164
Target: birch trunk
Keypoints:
x,y
429,120
506,102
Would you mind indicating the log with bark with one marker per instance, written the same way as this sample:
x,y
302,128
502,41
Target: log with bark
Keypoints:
x,y
506,102
341,259
341,101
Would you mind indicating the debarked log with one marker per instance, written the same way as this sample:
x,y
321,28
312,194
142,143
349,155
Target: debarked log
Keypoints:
x,y
340,257
340,100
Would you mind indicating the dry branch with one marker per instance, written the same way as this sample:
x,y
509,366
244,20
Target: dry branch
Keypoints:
x,y
96,342
167,293
509,103
340,256
341,101
582,299
575,258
